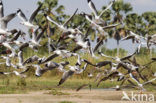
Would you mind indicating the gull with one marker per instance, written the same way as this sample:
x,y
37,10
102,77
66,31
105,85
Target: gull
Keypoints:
x,y
100,64
58,52
20,74
49,66
36,38
84,43
7,45
31,59
114,74
83,86
63,26
139,84
117,59
39,71
94,10
72,70
28,22
15,37
60,66
4,21
8,60
98,27
135,38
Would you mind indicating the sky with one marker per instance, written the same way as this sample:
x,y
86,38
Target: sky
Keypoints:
x,y
28,6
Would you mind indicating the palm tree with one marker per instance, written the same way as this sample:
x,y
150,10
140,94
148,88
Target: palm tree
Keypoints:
x,y
119,9
51,8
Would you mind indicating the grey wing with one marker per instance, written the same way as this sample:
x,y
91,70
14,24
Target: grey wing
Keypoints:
x,y
70,18
35,13
98,45
83,86
92,7
127,57
106,8
50,58
1,9
21,15
40,35
65,76
24,71
16,36
23,46
5,20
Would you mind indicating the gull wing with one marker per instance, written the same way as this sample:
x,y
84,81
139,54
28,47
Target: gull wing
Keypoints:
x,y
51,20
83,86
106,8
92,7
65,76
1,9
5,20
70,18
35,13
21,15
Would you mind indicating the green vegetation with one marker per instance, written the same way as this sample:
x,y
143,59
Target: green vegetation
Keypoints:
x,y
66,102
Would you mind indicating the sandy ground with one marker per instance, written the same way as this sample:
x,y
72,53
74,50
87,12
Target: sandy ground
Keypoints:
x,y
83,96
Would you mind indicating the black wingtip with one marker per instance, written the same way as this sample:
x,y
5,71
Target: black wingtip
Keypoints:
x,y
88,1
1,72
18,10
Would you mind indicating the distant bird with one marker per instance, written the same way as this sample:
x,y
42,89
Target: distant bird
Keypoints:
x,y
39,71
36,38
5,20
70,72
31,60
99,64
113,74
8,60
117,59
28,22
139,84
83,86
15,37
97,17
20,74
7,45
49,66
63,26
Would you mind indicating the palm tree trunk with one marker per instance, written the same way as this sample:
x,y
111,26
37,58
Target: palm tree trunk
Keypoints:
x,y
118,47
151,50
49,42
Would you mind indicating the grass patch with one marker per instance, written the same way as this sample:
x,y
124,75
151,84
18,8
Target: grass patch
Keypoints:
x,y
66,102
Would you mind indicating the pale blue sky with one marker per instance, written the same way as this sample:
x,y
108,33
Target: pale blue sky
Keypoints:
x,y
28,6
